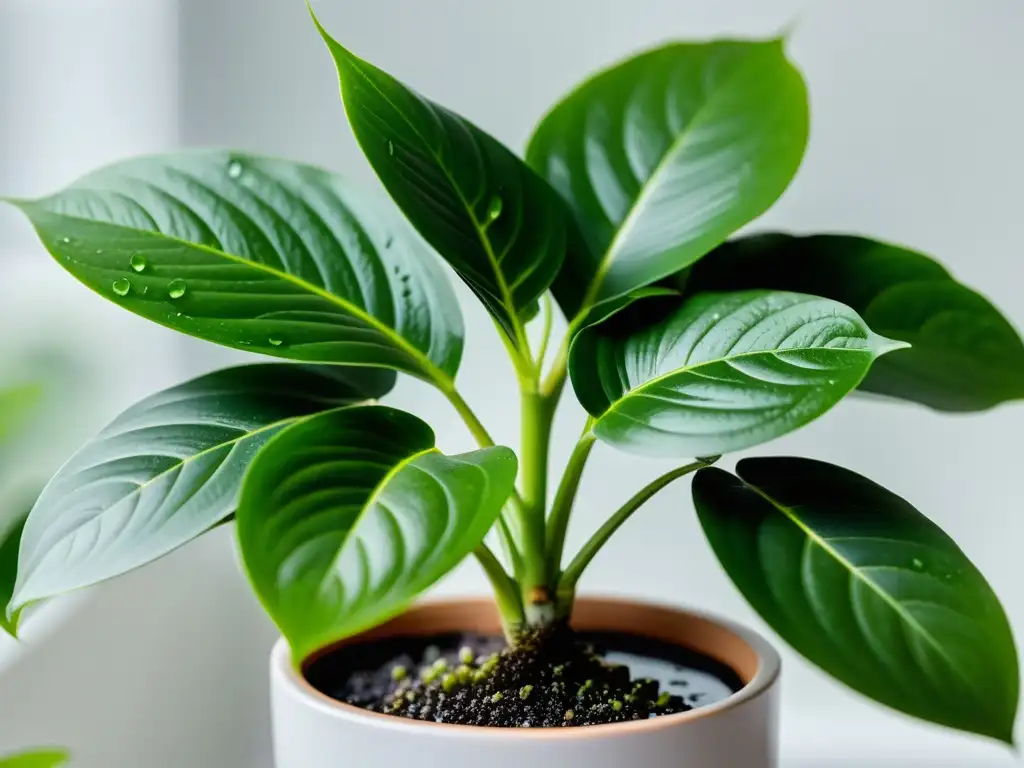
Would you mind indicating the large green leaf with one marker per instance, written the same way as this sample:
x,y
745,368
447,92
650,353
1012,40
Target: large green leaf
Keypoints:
x,y
866,587
965,355
257,254
719,372
46,758
346,517
667,154
502,228
169,469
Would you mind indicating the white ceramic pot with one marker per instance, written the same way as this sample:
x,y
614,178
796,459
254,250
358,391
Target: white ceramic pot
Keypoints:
x,y
312,730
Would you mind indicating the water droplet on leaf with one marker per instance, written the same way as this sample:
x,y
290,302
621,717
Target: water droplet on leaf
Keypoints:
x,y
391,148
918,564
122,286
138,262
176,289
66,240
495,208
234,169
276,342
390,241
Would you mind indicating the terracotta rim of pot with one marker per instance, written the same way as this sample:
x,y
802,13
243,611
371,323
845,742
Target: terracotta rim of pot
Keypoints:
x,y
747,653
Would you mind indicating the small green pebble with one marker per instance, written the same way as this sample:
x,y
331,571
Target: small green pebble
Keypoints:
x,y
558,671
664,699
464,674
497,697
616,705
569,714
429,674
479,676
410,696
441,665
448,682
466,655
398,672
525,691
629,697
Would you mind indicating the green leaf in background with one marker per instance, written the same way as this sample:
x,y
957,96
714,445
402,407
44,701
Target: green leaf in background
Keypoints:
x,y
501,227
46,758
346,517
965,355
258,254
15,405
169,469
719,372
667,154
866,587
10,541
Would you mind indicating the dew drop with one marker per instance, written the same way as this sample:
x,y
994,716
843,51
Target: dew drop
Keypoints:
x,y
276,342
176,289
66,240
138,262
918,564
234,169
391,148
145,289
495,208
99,251
122,286
407,293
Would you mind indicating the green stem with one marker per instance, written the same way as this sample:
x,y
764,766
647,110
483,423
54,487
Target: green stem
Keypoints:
x,y
545,338
571,576
565,497
506,593
537,419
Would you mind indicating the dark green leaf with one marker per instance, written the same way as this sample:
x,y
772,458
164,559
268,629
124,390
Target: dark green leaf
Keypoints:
x,y
502,228
719,372
866,587
257,254
46,758
10,541
346,517
665,155
965,355
169,469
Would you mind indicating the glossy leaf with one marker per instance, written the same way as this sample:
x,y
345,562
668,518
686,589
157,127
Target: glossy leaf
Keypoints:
x,y
168,469
667,154
867,588
719,372
257,254
346,517
502,228
965,356
10,540
45,758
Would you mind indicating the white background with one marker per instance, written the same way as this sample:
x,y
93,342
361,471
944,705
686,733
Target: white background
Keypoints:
x,y
918,114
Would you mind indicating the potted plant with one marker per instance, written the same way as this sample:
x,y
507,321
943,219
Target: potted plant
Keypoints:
x,y
680,343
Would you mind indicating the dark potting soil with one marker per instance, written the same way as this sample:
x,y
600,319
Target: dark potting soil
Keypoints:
x,y
552,679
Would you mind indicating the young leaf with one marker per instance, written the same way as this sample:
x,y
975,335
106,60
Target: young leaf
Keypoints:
x,y
44,758
169,469
346,517
866,587
262,255
502,228
965,356
720,372
10,540
667,154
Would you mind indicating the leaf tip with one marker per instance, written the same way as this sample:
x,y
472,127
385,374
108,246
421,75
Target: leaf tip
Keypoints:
x,y
885,345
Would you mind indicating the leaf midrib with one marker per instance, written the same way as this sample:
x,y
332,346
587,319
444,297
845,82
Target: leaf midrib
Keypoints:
x,y
856,572
742,355
442,379
646,189
506,293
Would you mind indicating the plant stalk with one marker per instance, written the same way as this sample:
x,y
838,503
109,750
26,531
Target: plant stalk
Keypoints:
x,y
537,419
571,575
565,497
506,593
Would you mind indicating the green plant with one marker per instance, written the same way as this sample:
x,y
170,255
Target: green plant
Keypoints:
x,y
680,343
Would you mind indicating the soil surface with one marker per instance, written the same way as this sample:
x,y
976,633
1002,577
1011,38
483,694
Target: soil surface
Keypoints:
x,y
553,678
